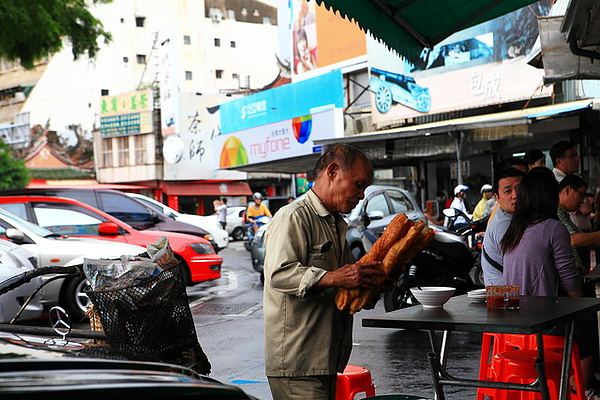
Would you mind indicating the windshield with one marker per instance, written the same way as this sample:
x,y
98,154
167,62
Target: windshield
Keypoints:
x,y
19,223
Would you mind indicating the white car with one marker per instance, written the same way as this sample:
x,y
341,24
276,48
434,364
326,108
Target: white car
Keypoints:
x,y
237,226
220,235
15,260
52,249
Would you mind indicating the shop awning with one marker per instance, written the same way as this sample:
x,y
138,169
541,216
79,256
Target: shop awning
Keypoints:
x,y
496,126
206,188
410,26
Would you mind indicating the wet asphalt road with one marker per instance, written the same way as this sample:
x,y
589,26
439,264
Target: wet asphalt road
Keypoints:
x,y
228,317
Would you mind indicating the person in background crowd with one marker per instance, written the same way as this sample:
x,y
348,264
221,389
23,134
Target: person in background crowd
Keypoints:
x,y
505,189
460,192
572,193
486,194
221,210
537,254
534,158
307,339
564,159
255,210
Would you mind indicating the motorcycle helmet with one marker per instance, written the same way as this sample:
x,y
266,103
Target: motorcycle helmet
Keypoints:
x,y
257,195
486,188
460,188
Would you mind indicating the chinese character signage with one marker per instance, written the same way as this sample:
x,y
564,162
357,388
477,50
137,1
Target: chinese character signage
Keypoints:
x,y
479,66
126,114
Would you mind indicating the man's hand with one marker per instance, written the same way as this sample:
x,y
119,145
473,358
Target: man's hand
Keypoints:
x,y
352,276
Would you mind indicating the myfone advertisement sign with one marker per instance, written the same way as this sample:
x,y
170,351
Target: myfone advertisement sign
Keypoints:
x,y
479,66
279,140
283,103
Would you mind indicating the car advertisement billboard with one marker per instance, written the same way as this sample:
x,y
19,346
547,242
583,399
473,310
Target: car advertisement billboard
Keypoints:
x,y
321,38
479,66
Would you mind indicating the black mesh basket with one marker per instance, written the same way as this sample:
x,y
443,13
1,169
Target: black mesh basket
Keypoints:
x,y
153,319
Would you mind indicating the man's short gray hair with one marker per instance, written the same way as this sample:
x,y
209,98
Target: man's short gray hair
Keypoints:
x,y
343,154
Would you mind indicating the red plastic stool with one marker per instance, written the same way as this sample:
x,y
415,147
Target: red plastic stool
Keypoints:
x,y
354,380
494,343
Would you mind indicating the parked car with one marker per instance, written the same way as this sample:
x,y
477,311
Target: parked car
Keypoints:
x,y
69,217
380,205
14,260
50,248
121,206
237,225
219,235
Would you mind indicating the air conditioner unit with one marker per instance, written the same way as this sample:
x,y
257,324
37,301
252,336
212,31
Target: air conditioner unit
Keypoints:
x,y
354,125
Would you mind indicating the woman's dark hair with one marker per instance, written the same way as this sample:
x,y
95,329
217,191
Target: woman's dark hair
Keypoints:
x,y
537,200
532,156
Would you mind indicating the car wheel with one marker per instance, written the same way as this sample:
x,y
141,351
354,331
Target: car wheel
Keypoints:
x,y
383,99
74,298
185,271
238,234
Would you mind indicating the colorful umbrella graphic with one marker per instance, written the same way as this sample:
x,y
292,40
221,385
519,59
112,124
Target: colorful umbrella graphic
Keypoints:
x,y
302,128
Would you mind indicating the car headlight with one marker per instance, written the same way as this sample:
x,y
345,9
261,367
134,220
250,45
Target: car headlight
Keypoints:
x,y
202,248
208,237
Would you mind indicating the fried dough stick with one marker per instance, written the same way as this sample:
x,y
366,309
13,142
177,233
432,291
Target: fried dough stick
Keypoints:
x,y
394,231
395,259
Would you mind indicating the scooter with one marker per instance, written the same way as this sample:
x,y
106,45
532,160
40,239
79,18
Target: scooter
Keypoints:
x,y
260,221
448,260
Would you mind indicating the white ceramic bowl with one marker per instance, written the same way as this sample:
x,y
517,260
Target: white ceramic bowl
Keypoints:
x,y
432,296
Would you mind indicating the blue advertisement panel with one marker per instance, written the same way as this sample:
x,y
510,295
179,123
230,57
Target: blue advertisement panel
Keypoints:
x,y
283,103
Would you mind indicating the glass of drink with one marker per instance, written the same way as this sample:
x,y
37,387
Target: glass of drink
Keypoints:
x,y
494,297
512,297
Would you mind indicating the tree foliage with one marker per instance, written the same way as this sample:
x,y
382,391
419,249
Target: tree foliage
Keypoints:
x,y
15,174
33,29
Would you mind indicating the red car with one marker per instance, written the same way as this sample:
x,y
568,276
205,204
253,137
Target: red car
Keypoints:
x,y
70,217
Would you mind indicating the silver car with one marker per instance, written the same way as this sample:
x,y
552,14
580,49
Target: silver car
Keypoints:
x,y
15,260
50,248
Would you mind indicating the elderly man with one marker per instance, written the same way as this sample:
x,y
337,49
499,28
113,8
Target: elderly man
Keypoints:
x,y
505,192
565,159
307,339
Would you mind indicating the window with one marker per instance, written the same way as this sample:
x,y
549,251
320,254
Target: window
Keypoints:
x,y
217,42
122,151
400,203
232,43
378,203
141,153
103,92
67,219
139,21
141,59
256,13
107,148
187,39
125,208
235,76
188,75
231,14
244,12
267,20
219,73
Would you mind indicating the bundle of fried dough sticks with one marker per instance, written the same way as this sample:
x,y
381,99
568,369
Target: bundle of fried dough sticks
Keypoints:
x,y
400,241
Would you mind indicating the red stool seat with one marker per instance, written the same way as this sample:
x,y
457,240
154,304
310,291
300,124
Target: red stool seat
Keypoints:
x,y
510,363
354,380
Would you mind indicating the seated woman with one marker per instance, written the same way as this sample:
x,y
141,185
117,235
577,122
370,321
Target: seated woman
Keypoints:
x,y
537,255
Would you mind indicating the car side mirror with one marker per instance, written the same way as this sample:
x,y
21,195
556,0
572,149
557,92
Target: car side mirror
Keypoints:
x,y
15,235
450,212
373,215
108,229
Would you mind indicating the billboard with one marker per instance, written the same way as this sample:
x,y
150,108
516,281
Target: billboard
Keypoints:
x,y
283,103
479,66
321,38
278,140
126,114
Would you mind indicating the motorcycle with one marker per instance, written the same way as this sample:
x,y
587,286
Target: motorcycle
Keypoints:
x,y
452,258
260,221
